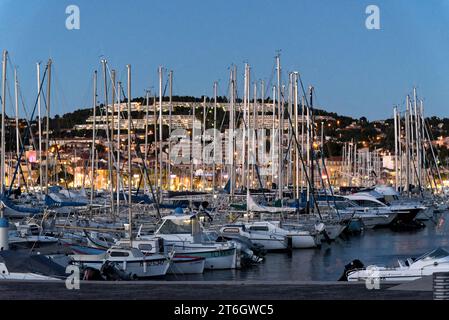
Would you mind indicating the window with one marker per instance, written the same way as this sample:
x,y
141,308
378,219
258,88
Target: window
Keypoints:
x,y
119,254
176,227
231,230
145,247
367,203
258,228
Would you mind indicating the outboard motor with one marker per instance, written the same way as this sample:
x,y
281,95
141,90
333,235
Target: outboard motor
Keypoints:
x,y
354,265
112,272
91,274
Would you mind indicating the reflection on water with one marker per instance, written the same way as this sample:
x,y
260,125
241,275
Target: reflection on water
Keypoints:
x,y
382,247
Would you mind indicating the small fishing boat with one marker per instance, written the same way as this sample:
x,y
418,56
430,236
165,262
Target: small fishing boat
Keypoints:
x,y
183,234
181,263
131,260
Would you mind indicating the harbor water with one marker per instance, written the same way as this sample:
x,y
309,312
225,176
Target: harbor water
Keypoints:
x,y
380,247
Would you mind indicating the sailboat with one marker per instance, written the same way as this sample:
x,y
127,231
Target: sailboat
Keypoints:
x,y
182,233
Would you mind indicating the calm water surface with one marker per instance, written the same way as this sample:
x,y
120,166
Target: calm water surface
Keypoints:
x,y
327,263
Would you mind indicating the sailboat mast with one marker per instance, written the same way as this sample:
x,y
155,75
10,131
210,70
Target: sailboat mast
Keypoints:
x,y
215,138
108,137
94,107
160,134
130,221
119,115
16,96
407,146
231,139
273,141
253,133
395,111
417,137
38,67
295,105
170,111
47,127
280,125
145,159
4,62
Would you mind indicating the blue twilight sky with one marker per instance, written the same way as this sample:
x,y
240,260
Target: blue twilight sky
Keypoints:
x,y
355,71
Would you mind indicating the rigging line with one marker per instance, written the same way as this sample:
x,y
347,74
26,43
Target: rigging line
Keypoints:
x,y
22,149
312,132
59,89
304,166
322,159
33,139
139,154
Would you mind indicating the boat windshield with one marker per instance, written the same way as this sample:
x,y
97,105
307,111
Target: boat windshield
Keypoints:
x,y
344,204
176,227
435,254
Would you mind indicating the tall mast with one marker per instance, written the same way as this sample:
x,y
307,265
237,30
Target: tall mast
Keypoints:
x,y
407,146
296,105
155,141
312,153
262,95
245,123
130,217
160,133
215,138
204,140
302,140
113,113
290,128
417,135
47,127
145,159
192,152
94,107
273,141
231,144
119,115
395,111
108,136
170,110
308,155
3,160
253,133
281,129
16,95
38,67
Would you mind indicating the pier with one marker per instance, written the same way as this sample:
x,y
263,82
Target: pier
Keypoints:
x,y
210,290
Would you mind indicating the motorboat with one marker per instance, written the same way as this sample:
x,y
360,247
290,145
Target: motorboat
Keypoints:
x,y
272,237
130,260
405,212
409,269
181,263
183,234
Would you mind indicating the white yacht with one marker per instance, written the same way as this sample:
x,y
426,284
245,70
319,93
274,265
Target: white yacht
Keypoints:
x,y
407,209
183,234
407,270
272,237
403,212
